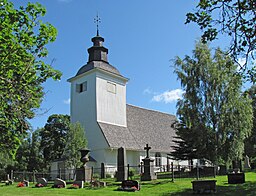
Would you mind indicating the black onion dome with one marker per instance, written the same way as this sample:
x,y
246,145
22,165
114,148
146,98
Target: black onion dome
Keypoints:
x,y
98,64
98,58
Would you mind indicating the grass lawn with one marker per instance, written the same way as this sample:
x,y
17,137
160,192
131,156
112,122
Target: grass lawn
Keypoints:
x,y
163,187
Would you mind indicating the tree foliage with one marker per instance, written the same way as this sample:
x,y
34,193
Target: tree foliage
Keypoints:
x,y
5,159
53,136
250,143
235,18
215,116
75,140
29,155
185,148
23,37
62,139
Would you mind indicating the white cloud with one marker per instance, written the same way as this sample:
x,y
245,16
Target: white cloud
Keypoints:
x,y
148,91
250,63
67,101
241,61
168,96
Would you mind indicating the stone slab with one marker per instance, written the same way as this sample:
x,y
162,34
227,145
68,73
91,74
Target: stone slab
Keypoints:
x,y
59,183
42,181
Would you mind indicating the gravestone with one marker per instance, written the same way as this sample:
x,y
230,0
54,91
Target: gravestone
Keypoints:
x,y
141,167
42,181
84,173
236,178
204,186
26,183
8,181
129,185
223,170
59,183
247,162
237,166
148,173
102,171
168,165
121,174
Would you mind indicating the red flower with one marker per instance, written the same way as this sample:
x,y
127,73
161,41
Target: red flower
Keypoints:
x,y
20,184
75,186
135,188
59,186
39,185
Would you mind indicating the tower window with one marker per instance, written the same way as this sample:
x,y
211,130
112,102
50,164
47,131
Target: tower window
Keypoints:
x,y
111,87
81,87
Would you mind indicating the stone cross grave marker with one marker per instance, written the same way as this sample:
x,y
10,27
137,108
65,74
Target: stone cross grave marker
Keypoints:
x,y
147,148
148,173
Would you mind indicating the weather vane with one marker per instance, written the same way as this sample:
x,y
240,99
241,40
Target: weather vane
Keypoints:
x,y
97,20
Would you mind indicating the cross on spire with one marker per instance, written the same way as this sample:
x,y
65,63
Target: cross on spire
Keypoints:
x,y
97,20
147,148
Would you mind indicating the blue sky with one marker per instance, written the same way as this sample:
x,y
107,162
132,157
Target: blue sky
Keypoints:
x,y
142,36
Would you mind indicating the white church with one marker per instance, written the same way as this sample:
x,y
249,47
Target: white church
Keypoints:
x,y
98,102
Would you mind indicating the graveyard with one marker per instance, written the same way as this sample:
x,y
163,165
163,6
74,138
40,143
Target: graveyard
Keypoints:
x,y
154,187
140,180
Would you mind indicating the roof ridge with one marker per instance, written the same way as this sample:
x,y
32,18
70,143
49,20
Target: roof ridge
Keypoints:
x,y
151,110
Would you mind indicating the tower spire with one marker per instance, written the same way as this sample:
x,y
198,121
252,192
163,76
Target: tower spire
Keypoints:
x,y
97,20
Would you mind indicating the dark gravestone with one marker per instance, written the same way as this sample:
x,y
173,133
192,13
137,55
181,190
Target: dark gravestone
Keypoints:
x,y
253,165
236,178
102,171
42,181
59,183
26,182
121,174
204,186
148,173
84,173
129,185
141,167
223,170
237,165
168,164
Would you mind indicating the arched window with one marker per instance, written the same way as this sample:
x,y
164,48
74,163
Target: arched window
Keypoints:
x,y
158,159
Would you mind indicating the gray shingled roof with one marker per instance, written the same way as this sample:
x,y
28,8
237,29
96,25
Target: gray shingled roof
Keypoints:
x,y
143,127
98,64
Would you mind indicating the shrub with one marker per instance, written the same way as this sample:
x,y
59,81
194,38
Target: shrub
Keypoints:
x,y
131,172
96,176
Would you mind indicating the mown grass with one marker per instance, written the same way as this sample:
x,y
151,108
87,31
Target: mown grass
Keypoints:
x,y
181,187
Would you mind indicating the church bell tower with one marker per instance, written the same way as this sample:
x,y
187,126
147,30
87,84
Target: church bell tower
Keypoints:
x,y
98,90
